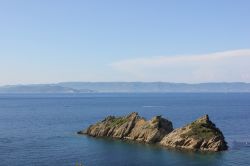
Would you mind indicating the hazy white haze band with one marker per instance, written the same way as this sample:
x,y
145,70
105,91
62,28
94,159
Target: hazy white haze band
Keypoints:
x,y
226,66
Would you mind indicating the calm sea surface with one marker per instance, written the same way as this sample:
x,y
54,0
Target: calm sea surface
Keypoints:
x,y
40,130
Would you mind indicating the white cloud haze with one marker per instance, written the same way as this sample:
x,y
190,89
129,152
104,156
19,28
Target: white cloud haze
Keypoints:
x,y
228,66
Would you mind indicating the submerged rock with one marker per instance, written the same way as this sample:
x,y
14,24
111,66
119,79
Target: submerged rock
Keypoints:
x,y
201,135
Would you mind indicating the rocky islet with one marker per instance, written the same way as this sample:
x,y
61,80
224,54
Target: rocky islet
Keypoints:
x,y
200,135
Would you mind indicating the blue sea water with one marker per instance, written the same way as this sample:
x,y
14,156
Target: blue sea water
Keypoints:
x,y
40,130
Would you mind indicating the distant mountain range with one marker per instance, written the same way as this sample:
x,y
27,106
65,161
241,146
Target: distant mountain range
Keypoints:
x,y
126,87
40,88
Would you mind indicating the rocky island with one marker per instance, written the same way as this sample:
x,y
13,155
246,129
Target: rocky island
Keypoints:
x,y
200,135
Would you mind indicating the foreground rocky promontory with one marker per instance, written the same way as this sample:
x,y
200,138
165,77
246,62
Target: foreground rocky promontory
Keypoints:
x,y
201,135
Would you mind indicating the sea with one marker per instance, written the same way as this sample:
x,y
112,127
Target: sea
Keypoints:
x,y
40,129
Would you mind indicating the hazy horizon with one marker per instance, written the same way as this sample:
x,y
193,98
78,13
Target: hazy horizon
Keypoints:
x,y
55,83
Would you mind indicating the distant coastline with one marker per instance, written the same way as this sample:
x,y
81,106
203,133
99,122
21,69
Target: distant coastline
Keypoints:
x,y
128,87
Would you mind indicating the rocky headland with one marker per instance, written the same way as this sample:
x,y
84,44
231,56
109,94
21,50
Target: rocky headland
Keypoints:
x,y
200,135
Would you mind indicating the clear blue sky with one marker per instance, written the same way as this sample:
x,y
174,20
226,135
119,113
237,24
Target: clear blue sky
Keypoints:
x,y
43,41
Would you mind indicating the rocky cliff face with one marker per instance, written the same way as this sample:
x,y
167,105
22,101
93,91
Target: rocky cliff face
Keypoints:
x,y
199,135
131,127
151,131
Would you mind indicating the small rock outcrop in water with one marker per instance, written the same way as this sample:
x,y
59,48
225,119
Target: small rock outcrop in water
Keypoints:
x,y
201,134
131,127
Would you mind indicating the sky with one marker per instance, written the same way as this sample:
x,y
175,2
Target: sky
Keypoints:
x,y
45,41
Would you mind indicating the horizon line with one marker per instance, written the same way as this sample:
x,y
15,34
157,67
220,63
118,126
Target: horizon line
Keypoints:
x,y
219,82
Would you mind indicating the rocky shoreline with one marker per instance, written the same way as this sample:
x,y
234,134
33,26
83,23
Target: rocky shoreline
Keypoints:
x,y
200,135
